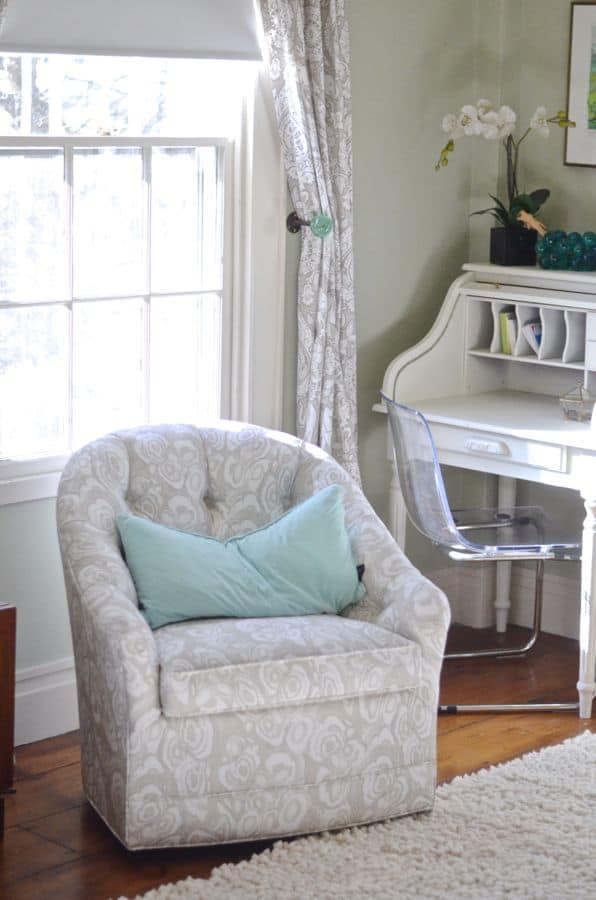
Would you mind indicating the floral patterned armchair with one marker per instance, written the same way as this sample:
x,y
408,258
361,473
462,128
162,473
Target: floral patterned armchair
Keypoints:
x,y
221,730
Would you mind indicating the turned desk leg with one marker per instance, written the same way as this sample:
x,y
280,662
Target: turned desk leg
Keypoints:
x,y
507,491
586,685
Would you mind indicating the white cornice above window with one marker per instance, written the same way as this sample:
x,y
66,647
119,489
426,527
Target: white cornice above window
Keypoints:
x,y
226,29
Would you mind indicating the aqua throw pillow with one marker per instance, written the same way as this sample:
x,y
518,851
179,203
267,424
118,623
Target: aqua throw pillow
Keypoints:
x,y
299,565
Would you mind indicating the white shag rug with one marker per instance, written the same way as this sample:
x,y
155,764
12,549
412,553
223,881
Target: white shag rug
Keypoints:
x,y
525,829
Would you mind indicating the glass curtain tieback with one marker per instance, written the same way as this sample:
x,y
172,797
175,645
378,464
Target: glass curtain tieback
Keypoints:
x,y
320,224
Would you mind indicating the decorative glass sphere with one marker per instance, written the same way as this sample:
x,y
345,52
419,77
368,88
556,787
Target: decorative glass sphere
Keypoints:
x,y
550,238
321,225
558,250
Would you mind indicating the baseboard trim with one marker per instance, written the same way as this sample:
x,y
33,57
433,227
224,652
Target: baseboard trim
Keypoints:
x,y
45,701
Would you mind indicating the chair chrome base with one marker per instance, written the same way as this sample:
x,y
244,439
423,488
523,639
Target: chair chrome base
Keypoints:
x,y
450,709
499,653
505,652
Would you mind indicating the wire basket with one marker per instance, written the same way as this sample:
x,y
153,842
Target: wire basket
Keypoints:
x,y
578,404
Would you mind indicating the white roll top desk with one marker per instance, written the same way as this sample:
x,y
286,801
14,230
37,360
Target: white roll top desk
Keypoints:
x,y
500,413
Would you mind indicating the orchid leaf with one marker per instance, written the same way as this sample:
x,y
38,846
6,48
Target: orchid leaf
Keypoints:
x,y
540,197
500,212
500,215
481,212
498,202
523,201
529,203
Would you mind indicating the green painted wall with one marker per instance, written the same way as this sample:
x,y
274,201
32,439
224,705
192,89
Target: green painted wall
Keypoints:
x,y
411,63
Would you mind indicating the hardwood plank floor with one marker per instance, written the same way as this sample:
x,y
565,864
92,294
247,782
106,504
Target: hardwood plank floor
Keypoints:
x,y
56,846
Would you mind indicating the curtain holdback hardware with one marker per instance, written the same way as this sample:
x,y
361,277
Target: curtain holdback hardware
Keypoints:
x,y
320,224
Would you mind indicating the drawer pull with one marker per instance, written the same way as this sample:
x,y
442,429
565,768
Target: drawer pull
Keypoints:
x,y
495,448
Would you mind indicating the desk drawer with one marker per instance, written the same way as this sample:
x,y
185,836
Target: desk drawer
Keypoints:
x,y
488,445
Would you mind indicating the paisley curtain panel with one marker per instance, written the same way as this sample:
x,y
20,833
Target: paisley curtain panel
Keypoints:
x,y
307,45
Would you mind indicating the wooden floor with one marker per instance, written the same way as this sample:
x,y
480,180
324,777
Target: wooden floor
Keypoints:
x,y
56,847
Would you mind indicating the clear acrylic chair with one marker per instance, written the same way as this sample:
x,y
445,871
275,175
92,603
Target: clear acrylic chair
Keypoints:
x,y
474,535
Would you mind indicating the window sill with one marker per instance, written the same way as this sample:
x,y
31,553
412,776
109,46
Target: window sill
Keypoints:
x,y
22,482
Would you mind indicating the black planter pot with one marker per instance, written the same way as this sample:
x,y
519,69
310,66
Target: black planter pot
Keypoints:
x,y
514,246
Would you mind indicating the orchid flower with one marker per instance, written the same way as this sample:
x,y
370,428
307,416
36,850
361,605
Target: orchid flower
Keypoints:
x,y
539,122
482,119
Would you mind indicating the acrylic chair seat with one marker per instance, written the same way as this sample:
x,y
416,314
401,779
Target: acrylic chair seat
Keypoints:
x,y
475,534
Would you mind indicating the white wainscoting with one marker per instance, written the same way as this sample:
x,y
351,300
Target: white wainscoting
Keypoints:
x,y
45,701
468,586
561,600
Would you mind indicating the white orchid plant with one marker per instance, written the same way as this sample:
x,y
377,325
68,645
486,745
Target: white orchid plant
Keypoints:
x,y
483,120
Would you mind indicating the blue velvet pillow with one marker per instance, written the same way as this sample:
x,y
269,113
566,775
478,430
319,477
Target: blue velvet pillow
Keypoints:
x,y
301,564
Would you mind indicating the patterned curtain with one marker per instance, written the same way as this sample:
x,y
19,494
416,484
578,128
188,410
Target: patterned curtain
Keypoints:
x,y
308,54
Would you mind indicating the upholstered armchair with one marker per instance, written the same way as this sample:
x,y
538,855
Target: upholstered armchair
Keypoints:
x,y
216,730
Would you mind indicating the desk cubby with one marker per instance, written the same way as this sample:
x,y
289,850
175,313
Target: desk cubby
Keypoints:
x,y
565,339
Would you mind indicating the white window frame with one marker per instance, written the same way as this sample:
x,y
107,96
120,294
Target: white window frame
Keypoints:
x,y
253,279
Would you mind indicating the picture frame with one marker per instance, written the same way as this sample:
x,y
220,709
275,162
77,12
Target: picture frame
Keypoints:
x,y
580,142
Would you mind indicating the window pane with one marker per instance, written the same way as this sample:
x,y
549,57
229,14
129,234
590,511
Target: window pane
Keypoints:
x,y
33,381
32,240
107,373
11,95
85,94
186,219
91,95
108,222
185,358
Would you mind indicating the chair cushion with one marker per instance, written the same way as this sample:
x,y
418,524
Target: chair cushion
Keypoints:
x,y
224,665
298,565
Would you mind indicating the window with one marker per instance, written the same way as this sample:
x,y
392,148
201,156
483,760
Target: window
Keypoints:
x,y
115,246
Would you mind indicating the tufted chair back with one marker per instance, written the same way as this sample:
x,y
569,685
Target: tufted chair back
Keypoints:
x,y
221,480
209,480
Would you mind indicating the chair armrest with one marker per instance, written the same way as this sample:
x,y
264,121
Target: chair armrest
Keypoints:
x,y
116,655
415,607
402,599
399,598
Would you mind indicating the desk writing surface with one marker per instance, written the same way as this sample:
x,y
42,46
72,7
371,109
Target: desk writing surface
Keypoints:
x,y
532,417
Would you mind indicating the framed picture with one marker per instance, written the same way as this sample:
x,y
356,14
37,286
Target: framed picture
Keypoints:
x,y
580,142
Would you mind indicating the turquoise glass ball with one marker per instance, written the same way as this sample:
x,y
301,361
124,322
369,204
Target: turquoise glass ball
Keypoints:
x,y
558,250
321,225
